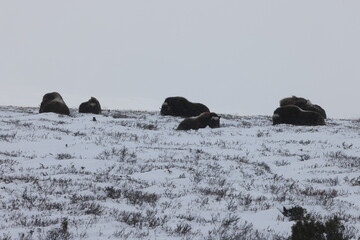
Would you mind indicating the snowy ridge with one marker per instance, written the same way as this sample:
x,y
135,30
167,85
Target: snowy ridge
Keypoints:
x,y
130,175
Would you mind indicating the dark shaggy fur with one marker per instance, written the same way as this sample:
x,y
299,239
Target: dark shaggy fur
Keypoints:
x,y
304,104
292,114
53,102
317,108
202,121
180,106
91,106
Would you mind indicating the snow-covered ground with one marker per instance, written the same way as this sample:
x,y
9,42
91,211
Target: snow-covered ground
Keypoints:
x,y
130,175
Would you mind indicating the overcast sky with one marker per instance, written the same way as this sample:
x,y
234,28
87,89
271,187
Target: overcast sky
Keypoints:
x,y
238,57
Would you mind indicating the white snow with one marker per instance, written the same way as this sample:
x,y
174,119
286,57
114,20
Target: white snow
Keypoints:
x,y
130,175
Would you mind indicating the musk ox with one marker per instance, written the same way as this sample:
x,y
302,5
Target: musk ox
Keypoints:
x,y
304,104
91,106
202,121
181,107
53,102
292,114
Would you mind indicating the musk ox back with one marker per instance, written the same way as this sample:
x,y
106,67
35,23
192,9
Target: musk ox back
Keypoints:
x,y
205,119
292,114
53,102
181,107
304,104
91,106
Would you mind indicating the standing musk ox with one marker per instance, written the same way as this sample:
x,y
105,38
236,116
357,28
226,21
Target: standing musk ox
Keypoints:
x,y
202,121
292,114
303,104
181,107
91,106
53,102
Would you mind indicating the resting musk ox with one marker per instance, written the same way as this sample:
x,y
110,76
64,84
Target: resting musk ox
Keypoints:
x,y
53,102
91,106
304,104
181,107
292,114
202,121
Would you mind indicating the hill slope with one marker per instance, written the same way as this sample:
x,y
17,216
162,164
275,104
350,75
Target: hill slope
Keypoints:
x,y
130,175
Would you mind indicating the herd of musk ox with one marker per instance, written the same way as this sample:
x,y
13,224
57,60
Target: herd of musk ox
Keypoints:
x,y
292,110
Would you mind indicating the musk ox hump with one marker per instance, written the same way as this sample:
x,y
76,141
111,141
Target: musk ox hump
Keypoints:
x,y
51,96
298,101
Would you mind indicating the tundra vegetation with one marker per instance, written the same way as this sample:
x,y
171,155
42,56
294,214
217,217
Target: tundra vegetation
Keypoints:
x,y
130,175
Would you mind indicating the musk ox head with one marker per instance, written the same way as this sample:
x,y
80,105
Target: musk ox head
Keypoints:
x,y
165,109
303,103
180,106
214,121
53,102
205,119
317,108
91,106
292,114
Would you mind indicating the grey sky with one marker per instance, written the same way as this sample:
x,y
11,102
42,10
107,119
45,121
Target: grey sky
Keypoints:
x,y
234,56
